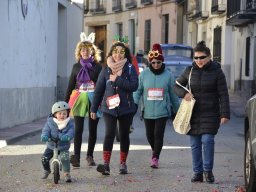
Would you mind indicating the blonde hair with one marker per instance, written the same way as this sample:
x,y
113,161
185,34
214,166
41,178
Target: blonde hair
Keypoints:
x,y
95,51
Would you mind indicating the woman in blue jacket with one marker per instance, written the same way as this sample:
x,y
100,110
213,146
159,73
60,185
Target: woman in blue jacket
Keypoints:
x,y
114,88
156,90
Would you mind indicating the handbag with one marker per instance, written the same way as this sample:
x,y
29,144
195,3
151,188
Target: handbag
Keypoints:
x,y
181,122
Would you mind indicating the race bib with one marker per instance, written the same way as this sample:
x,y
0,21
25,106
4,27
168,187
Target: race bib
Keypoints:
x,y
155,94
113,101
87,87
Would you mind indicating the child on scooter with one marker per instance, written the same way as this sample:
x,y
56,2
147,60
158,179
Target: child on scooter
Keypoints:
x,y
58,126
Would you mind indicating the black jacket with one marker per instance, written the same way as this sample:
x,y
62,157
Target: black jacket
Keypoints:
x,y
93,73
124,85
209,87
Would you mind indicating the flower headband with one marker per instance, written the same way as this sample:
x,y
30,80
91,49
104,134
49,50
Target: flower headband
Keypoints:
x,y
153,53
90,38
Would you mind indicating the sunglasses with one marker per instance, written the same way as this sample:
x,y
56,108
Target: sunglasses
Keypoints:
x,y
152,54
156,62
201,57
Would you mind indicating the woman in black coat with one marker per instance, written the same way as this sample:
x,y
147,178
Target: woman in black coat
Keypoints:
x,y
209,88
114,89
79,94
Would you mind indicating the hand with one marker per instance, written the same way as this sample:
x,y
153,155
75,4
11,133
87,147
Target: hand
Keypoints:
x,y
112,78
188,96
223,120
44,138
93,115
65,138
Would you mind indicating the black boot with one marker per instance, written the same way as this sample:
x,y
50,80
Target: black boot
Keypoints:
x,y
209,177
103,169
198,177
74,161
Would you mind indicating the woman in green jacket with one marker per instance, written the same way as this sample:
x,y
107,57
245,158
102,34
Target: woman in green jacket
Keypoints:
x,y
156,90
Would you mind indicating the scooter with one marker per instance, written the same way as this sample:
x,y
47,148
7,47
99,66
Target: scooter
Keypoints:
x,y
56,162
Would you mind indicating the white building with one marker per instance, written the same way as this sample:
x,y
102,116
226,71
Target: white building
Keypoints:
x,y
38,38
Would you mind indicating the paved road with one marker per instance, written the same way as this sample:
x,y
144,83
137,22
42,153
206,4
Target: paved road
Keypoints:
x,y
21,167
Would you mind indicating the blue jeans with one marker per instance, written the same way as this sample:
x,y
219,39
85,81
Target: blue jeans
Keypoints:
x,y
202,147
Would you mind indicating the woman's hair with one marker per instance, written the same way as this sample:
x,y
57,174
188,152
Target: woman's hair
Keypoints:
x,y
127,54
95,51
201,47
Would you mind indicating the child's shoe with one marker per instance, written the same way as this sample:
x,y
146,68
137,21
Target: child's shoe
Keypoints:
x,y
46,174
123,168
103,169
74,161
90,161
68,178
154,163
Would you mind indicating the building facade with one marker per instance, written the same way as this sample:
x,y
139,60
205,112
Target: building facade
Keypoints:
x,y
145,22
38,39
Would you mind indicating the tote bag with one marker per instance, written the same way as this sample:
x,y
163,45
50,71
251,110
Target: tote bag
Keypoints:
x,y
181,122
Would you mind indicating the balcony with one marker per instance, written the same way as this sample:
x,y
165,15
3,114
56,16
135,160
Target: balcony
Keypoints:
x,y
162,0
146,2
130,4
239,14
201,15
218,7
116,6
97,7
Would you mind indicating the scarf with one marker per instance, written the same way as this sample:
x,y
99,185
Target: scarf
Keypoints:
x,y
157,71
116,67
61,124
83,75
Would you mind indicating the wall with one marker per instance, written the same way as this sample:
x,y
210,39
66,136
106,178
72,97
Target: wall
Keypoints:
x,y
29,57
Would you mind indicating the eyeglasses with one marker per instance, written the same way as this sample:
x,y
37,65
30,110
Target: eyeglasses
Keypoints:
x,y
116,51
201,57
156,62
152,54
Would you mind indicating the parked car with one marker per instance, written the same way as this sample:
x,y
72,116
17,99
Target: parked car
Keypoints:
x,y
177,57
250,145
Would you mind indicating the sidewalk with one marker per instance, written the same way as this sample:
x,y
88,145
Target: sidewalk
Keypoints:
x,y
10,135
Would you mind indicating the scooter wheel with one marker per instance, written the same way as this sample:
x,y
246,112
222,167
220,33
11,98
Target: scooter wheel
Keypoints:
x,y
56,172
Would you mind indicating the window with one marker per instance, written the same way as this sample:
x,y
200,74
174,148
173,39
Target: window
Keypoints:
x,y
147,35
247,56
217,44
120,29
165,28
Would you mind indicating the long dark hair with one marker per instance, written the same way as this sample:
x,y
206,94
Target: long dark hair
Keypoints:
x,y
201,47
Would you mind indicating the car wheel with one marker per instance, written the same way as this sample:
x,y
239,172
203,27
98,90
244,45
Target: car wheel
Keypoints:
x,y
249,166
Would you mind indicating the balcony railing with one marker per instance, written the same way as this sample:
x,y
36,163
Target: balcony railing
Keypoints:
x,y
146,2
218,6
201,15
241,13
97,7
116,5
129,4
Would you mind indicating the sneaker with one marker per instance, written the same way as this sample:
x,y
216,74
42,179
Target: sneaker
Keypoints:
x,y
197,177
154,163
123,168
90,161
74,161
209,177
46,174
103,169
68,178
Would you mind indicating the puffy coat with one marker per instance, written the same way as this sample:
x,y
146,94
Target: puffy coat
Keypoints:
x,y
154,109
124,85
51,130
209,87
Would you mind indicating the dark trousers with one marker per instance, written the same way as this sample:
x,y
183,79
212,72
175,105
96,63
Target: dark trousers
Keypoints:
x,y
79,128
155,134
124,128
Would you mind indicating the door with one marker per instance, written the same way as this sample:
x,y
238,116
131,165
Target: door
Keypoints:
x,y
100,41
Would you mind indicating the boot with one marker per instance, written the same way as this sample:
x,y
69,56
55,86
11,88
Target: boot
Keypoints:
x,y
197,177
103,169
209,177
74,161
154,163
46,174
90,161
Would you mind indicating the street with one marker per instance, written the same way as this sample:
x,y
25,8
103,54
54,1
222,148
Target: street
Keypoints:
x,y
21,167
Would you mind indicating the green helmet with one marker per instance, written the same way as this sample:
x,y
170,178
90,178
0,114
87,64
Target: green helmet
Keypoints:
x,y
59,106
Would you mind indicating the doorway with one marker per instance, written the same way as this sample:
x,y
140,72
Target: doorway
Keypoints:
x,y
100,41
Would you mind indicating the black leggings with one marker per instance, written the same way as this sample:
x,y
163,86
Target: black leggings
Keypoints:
x,y
124,128
155,134
79,128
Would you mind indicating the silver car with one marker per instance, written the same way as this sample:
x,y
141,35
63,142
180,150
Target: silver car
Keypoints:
x,y
250,145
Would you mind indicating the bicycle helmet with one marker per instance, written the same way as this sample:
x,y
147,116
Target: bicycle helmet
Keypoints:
x,y
59,106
